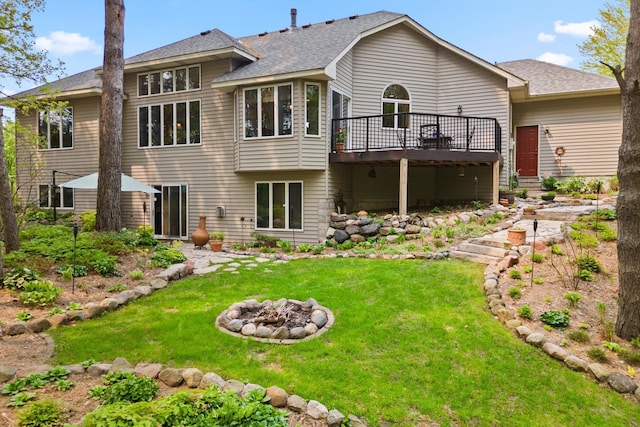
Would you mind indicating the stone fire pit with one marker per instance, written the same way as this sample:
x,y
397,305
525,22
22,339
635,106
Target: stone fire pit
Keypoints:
x,y
285,321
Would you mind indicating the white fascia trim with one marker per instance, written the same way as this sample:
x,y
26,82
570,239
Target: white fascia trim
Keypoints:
x,y
318,73
189,58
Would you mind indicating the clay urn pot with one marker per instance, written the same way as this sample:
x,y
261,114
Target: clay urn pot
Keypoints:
x,y
200,236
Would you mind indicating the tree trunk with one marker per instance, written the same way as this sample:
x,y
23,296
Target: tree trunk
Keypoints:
x,y
628,206
10,225
110,163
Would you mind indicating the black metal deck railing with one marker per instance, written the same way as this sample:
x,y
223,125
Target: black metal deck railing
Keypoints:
x,y
415,131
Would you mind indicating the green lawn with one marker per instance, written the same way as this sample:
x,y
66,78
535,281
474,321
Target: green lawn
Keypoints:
x,y
412,342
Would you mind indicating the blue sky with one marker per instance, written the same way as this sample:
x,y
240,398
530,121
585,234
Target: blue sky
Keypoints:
x,y
494,30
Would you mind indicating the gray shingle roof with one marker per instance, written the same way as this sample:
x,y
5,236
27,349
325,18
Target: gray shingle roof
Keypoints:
x,y
86,80
305,48
547,79
206,41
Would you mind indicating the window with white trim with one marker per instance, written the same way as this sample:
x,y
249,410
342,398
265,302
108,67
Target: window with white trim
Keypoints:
x,y
268,111
312,109
50,197
169,81
395,101
55,129
176,123
279,205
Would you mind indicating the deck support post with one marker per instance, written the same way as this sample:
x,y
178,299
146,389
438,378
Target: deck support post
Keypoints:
x,y
404,180
496,183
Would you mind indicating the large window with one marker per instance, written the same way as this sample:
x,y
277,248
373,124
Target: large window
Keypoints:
x,y
55,129
169,81
268,111
50,196
395,102
279,205
175,123
312,109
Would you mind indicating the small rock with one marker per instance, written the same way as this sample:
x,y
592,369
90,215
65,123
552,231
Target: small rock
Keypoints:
x,y
575,363
38,325
7,373
297,404
278,397
121,364
334,418
317,410
310,328
513,323
536,339
60,319
192,377
98,369
75,315
210,379
248,330
158,283
319,317
248,387
523,331
233,386
621,383
16,328
282,333
171,377
600,372
235,325
297,333
149,370
75,369
93,310
554,351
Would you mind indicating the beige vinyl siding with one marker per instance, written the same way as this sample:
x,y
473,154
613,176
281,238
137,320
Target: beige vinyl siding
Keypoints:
x,y
451,187
208,169
80,160
590,130
291,152
394,56
344,76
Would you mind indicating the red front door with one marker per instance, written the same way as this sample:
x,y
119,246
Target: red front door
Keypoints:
x,y
527,150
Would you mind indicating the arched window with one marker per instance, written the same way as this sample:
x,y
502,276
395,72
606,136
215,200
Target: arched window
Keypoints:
x,y
395,107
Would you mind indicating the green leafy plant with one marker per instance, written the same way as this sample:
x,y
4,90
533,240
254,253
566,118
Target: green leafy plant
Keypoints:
x,y
635,342
136,274
588,262
284,245
579,336
573,298
598,355
549,183
86,363
16,278
556,250
74,306
317,250
586,276
43,413
165,256
515,293
54,311
39,293
23,316
107,266
607,214
527,269
63,385
555,319
537,257
631,357
118,287
21,399
515,274
613,346
584,240
80,270
538,280
56,373
304,248
15,387
525,312
522,193
477,205
36,381
125,387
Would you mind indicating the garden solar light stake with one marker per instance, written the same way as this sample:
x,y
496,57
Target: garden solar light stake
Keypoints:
x,y
73,274
533,254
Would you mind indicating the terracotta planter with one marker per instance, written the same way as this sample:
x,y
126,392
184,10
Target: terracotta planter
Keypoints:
x,y
517,236
529,211
504,202
216,246
200,237
339,147
509,195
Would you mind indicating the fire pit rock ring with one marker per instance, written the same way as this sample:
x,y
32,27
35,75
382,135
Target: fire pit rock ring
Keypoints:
x,y
285,321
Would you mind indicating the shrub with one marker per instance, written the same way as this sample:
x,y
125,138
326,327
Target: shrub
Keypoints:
x,y
525,312
40,293
527,269
165,256
537,258
42,413
579,336
586,275
317,250
106,266
125,387
284,245
515,293
589,263
598,355
575,184
607,214
80,270
88,220
136,275
438,243
555,319
515,274
550,183
119,287
583,239
556,250
16,278
594,186
631,357
522,193
573,298
304,248
263,240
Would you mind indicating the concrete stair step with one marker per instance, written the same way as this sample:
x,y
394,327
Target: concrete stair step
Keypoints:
x,y
482,249
473,257
485,241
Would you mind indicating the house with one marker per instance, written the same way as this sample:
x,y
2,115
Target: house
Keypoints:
x,y
273,132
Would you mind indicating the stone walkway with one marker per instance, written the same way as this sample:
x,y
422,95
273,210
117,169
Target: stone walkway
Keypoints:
x,y
205,261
